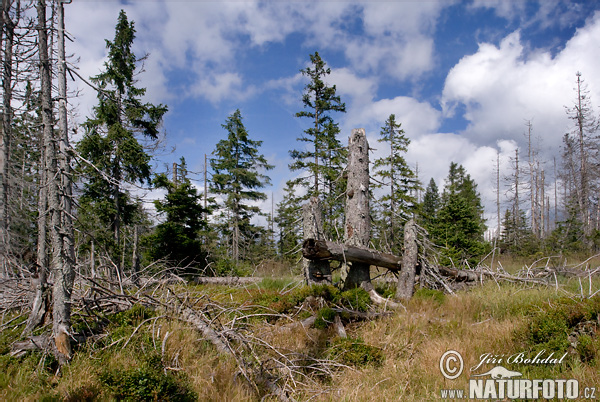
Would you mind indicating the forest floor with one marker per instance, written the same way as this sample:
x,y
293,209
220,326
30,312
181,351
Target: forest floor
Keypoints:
x,y
285,340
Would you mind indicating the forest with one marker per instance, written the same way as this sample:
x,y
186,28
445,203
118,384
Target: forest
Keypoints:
x,y
86,268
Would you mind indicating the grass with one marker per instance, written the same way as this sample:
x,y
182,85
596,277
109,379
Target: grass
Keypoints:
x,y
394,358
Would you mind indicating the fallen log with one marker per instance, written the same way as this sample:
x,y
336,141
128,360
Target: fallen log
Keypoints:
x,y
323,250
459,275
226,280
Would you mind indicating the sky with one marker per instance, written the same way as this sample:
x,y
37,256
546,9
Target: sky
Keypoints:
x,y
463,77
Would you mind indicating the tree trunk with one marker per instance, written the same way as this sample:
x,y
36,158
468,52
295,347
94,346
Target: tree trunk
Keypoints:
x,y
322,250
68,246
62,277
406,279
6,46
357,230
314,271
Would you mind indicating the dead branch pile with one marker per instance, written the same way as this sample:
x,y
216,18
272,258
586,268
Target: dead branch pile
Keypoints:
x,y
268,368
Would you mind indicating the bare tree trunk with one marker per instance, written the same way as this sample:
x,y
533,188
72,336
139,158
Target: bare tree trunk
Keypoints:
x,y
62,277
6,47
135,258
312,215
357,231
322,250
406,278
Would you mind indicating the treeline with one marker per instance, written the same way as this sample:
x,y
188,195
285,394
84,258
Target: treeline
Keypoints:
x,y
96,186
67,209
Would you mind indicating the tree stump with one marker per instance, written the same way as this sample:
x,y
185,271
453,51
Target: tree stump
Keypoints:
x,y
406,278
315,272
357,230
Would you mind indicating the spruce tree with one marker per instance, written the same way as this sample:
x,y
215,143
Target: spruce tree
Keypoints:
x,y
177,238
289,222
459,224
111,144
238,176
325,158
399,202
430,204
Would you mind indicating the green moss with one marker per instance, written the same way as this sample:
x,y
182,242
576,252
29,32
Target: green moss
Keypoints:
x,y
354,352
355,299
325,316
549,328
147,382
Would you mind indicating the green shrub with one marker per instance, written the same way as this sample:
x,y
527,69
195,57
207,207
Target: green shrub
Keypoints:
x,y
587,348
549,329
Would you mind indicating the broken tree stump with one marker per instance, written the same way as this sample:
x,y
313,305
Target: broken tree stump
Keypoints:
x,y
357,229
406,278
315,271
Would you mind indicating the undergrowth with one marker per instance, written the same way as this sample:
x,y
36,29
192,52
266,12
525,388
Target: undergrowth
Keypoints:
x,y
139,354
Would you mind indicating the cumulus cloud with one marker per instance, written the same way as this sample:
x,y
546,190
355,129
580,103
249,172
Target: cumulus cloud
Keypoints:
x,y
502,87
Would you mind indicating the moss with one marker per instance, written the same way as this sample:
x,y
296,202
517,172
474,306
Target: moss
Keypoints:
x,y
147,382
356,299
354,352
325,316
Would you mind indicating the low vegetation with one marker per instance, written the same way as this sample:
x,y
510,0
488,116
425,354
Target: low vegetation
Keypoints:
x,y
145,352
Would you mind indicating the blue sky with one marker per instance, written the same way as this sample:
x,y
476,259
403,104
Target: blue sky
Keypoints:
x,y
463,77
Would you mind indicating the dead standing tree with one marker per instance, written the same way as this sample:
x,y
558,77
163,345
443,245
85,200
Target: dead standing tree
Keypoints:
x,y
354,254
312,214
357,230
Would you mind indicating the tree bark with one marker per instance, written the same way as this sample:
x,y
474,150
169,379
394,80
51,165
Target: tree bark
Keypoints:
x,y
63,276
6,47
357,231
406,279
322,250
315,271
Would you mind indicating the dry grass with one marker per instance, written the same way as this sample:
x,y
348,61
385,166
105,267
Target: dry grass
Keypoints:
x,y
485,319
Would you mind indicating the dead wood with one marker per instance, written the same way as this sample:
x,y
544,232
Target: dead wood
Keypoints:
x,y
317,250
406,278
226,280
315,271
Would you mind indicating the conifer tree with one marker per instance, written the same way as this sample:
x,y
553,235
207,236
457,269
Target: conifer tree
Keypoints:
x,y
324,158
399,203
177,238
112,143
288,219
582,158
238,176
430,205
459,225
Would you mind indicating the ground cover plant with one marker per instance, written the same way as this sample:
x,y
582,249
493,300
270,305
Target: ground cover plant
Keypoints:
x,y
288,340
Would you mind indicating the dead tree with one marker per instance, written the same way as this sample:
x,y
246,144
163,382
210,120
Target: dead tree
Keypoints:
x,y
406,278
6,50
357,230
315,271
323,250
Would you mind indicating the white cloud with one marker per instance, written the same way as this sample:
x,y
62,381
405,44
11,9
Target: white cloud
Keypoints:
x,y
502,87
